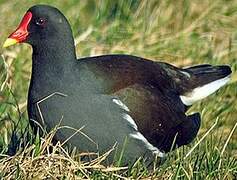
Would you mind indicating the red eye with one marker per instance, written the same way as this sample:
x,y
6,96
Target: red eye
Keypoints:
x,y
40,21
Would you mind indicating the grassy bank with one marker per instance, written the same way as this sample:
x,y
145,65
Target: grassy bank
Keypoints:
x,y
181,32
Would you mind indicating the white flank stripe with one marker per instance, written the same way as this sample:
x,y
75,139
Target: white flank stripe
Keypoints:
x,y
130,120
136,134
121,104
186,74
203,91
149,146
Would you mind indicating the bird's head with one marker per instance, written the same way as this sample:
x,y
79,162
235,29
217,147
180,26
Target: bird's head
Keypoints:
x,y
40,24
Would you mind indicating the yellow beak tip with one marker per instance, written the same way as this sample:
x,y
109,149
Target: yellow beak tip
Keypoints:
x,y
9,42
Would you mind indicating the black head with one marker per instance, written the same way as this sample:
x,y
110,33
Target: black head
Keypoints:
x,y
42,25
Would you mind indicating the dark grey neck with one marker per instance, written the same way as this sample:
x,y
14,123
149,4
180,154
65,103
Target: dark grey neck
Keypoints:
x,y
52,65
54,54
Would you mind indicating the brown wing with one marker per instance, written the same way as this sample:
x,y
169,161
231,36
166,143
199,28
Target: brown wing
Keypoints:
x,y
150,92
158,118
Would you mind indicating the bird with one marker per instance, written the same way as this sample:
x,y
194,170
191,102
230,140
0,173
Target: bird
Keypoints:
x,y
135,105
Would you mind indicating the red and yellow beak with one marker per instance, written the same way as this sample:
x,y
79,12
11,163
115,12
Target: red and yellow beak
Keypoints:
x,y
21,33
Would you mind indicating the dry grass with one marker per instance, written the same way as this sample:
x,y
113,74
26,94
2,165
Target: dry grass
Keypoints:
x,y
54,162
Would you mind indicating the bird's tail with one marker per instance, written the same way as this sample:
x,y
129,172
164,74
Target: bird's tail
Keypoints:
x,y
204,80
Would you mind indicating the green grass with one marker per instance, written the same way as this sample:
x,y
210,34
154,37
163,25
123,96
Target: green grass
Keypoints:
x,y
179,32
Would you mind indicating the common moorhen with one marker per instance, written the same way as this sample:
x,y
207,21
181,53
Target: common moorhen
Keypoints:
x,y
138,104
